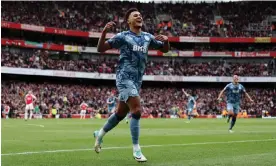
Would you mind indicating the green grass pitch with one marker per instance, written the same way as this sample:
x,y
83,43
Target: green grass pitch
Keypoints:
x,y
167,142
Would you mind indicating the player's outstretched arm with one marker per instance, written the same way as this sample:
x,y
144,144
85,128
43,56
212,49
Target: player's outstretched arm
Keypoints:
x,y
165,40
248,96
102,44
186,94
220,94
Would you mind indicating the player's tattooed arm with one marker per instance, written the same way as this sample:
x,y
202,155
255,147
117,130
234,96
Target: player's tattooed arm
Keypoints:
x,y
165,40
102,44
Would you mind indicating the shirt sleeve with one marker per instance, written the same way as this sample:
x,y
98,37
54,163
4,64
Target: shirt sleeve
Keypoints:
x,y
156,44
116,41
242,88
227,87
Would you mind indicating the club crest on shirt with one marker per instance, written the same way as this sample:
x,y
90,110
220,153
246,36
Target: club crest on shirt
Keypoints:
x,y
134,91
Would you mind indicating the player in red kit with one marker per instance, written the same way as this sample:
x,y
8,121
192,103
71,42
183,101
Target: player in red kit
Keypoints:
x,y
7,111
29,100
83,107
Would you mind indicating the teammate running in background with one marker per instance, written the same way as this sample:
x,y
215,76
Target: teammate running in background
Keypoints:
x,y
191,104
133,45
111,103
29,100
83,107
234,92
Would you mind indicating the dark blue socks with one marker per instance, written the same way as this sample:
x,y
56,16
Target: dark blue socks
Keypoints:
x,y
135,128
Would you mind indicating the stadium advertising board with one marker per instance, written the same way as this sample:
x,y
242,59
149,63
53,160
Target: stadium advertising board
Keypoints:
x,y
252,54
186,53
216,54
262,39
163,78
71,48
66,32
194,39
32,28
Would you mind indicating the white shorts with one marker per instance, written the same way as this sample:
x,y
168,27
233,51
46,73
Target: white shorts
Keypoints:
x,y
30,106
83,112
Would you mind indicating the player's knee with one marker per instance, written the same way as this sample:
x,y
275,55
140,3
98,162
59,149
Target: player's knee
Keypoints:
x,y
120,116
136,115
136,111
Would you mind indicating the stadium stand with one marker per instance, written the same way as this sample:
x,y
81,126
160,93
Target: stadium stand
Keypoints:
x,y
231,19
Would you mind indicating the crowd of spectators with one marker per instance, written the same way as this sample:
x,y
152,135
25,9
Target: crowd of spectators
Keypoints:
x,y
185,19
66,98
41,60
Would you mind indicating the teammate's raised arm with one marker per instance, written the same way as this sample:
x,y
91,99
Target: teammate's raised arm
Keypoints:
x,y
102,44
107,101
185,93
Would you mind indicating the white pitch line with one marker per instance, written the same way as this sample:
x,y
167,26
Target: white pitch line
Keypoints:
x,y
145,146
36,125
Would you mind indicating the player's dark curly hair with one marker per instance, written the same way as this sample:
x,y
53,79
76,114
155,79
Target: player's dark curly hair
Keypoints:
x,y
193,93
129,12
